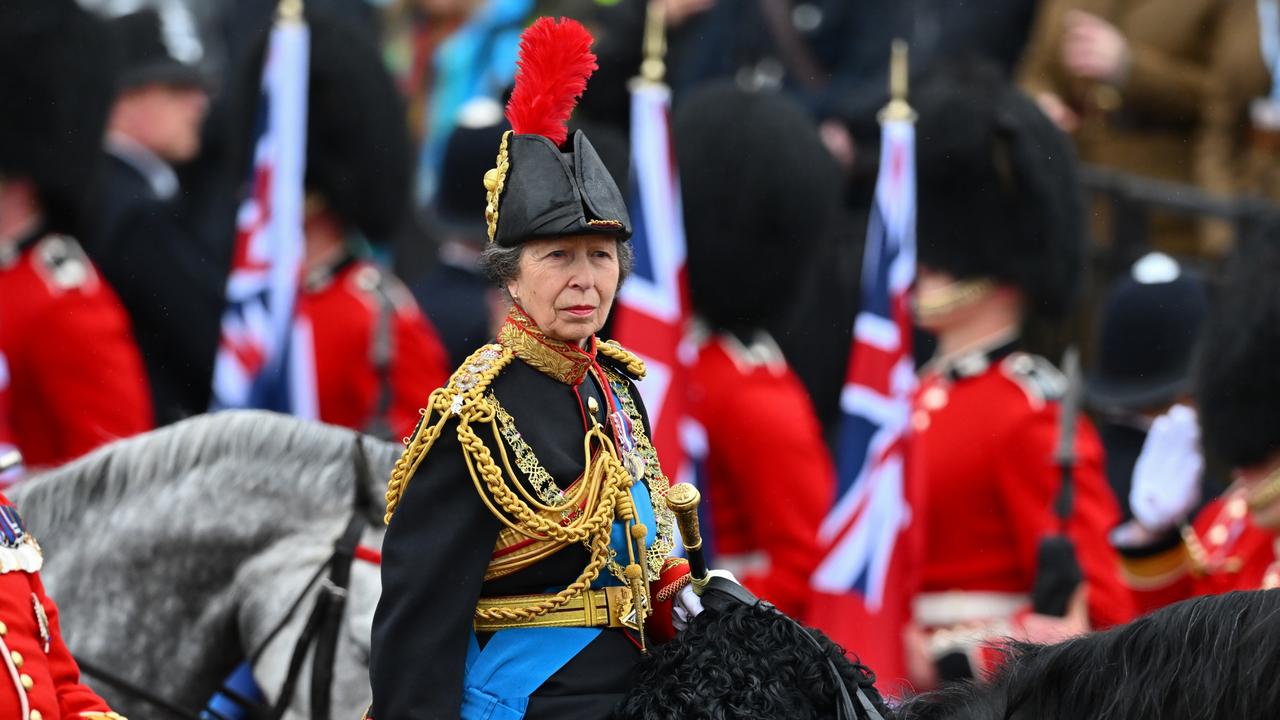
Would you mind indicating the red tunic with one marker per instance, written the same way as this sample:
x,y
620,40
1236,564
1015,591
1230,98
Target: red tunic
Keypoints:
x,y
39,678
1223,551
344,311
769,477
985,432
76,378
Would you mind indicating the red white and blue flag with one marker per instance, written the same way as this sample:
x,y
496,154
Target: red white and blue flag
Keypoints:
x,y
653,305
264,357
863,585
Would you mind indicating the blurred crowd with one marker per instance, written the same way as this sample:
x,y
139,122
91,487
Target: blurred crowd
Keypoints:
x,y
126,225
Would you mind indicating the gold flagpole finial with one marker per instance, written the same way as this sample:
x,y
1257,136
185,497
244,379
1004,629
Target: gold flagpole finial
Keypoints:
x,y
654,69
898,107
289,10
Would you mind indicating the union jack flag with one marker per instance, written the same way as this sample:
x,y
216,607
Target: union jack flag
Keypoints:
x,y
653,305
264,358
863,584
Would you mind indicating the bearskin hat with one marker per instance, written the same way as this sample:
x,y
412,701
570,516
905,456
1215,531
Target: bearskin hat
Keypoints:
x,y
998,194
1237,382
759,191
57,80
547,184
359,158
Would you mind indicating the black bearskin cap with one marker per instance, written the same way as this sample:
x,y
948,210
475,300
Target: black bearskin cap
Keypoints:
x,y
57,82
548,193
1238,378
759,191
999,195
358,151
359,158
144,55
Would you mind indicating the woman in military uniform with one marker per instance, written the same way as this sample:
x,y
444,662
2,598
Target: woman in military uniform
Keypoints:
x,y
525,565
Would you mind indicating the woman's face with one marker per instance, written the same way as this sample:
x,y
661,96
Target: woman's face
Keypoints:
x,y
567,284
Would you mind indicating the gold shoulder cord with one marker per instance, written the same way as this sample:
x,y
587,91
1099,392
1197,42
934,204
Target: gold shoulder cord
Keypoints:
x,y
634,365
605,484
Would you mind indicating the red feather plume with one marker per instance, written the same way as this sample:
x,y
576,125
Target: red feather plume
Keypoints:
x,y
555,62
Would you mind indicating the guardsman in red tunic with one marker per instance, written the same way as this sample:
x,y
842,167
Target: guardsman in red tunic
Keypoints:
x,y
375,355
373,348
1234,542
767,475
40,679
1000,244
76,378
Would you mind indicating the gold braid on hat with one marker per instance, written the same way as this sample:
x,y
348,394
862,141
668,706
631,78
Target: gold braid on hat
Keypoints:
x,y
494,180
603,494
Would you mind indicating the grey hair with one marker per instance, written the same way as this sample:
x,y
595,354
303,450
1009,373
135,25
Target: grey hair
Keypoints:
x,y
502,264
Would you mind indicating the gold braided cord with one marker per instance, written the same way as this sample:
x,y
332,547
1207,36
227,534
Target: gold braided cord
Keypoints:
x,y
465,390
624,357
494,180
603,492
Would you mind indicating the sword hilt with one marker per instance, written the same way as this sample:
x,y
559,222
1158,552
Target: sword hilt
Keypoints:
x,y
683,500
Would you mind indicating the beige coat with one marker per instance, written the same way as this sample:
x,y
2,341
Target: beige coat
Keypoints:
x,y
1146,124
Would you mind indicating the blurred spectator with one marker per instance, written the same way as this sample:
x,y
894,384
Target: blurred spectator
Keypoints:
x,y
1128,81
754,210
445,53
170,277
1000,243
375,357
1238,150
75,374
463,305
1150,324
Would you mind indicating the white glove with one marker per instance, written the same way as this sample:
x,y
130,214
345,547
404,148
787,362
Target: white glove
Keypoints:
x,y
687,604
1166,478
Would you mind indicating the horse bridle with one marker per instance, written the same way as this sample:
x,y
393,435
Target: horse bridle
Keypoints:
x,y
322,628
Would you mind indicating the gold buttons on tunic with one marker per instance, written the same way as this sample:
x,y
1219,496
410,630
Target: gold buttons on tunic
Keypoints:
x,y
593,406
17,658
1218,534
35,715
27,682
4,629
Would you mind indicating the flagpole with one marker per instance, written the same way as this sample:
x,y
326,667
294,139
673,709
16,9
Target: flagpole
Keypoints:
x,y
289,11
653,69
898,109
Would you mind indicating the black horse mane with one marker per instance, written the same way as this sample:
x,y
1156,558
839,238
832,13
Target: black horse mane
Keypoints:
x,y
1208,658
746,662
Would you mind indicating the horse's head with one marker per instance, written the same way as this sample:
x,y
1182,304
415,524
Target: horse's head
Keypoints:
x,y
168,552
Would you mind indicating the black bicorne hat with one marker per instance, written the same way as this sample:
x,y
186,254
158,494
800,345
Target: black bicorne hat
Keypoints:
x,y
145,57
999,196
538,190
57,79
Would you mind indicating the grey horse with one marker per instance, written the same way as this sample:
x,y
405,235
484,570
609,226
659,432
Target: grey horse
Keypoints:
x,y
173,555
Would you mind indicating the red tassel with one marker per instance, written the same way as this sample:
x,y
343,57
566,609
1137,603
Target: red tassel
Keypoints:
x,y
555,62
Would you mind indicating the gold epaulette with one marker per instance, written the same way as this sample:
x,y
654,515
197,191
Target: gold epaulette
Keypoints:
x,y
460,397
625,359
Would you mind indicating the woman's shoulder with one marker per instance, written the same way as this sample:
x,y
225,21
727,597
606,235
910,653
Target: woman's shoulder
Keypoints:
x,y
619,358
